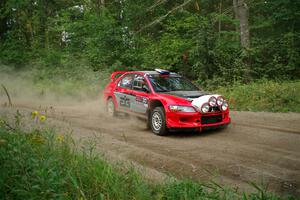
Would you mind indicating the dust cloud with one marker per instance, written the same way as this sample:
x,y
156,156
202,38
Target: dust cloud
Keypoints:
x,y
25,92
23,88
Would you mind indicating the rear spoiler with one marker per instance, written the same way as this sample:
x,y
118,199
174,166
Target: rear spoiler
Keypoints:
x,y
116,75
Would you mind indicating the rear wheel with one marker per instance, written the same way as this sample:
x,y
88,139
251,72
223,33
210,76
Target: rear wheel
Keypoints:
x,y
110,107
158,121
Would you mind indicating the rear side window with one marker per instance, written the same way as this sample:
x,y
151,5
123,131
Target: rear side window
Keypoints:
x,y
126,81
139,82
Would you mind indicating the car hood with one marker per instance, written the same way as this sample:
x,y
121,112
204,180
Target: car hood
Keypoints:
x,y
187,94
181,97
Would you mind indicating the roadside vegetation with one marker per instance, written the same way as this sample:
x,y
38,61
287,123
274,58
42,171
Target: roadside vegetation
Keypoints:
x,y
264,95
44,165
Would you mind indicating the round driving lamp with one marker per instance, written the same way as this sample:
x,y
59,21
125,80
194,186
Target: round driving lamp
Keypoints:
x,y
224,106
212,101
220,101
205,108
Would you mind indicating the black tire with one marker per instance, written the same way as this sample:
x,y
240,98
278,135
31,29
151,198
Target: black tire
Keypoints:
x,y
111,108
158,121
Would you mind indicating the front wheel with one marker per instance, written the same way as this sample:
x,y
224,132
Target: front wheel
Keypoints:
x,y
158,121
110,107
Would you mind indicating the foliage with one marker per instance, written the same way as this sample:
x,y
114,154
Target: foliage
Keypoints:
x,y
13,51
199,40
264,96
42,165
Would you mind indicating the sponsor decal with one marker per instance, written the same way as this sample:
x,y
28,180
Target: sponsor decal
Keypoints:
x,y
141,99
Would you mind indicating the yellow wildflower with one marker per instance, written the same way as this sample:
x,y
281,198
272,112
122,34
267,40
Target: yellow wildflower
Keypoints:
x,y
34,114
42,118
60,138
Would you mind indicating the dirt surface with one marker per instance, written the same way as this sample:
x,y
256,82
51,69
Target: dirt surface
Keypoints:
x,y
259,147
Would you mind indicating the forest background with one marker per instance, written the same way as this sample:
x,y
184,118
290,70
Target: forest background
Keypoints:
x,y
242,48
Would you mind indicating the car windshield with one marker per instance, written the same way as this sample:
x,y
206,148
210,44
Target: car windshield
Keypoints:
x,y
169,83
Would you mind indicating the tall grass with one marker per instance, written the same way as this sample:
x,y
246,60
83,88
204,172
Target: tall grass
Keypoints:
x,y
42,165
264,96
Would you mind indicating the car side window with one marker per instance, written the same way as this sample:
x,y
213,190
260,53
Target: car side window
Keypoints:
x,y
140,84
126,81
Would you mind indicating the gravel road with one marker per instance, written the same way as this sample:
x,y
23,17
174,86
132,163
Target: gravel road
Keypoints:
x,y
260,147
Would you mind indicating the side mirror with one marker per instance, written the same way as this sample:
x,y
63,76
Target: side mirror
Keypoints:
x,y
146,89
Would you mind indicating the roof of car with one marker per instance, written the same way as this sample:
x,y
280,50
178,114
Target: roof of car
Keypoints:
x,y
156,73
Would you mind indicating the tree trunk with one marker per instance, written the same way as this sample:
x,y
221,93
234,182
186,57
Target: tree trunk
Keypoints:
x,y
102,3
241,12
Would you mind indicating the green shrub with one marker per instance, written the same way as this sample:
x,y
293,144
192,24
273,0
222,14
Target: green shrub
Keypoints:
x,y
264,96
14,52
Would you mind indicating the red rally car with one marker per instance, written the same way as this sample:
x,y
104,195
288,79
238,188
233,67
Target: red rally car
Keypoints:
x,y
166,100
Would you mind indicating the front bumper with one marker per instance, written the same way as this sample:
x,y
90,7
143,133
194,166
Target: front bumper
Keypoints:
x,y
180,120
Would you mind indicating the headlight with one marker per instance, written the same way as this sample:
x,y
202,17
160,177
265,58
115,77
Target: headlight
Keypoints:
x,y
220,101
182,109
212,101
224,106
205,108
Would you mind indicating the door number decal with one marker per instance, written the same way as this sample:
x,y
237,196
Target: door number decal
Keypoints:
x,y
124,101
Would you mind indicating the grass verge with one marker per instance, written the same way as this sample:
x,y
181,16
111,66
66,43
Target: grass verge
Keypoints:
x,y
264,96
42,165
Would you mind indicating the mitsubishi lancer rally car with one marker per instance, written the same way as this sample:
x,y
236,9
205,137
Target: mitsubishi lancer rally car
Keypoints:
x,y
166,100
